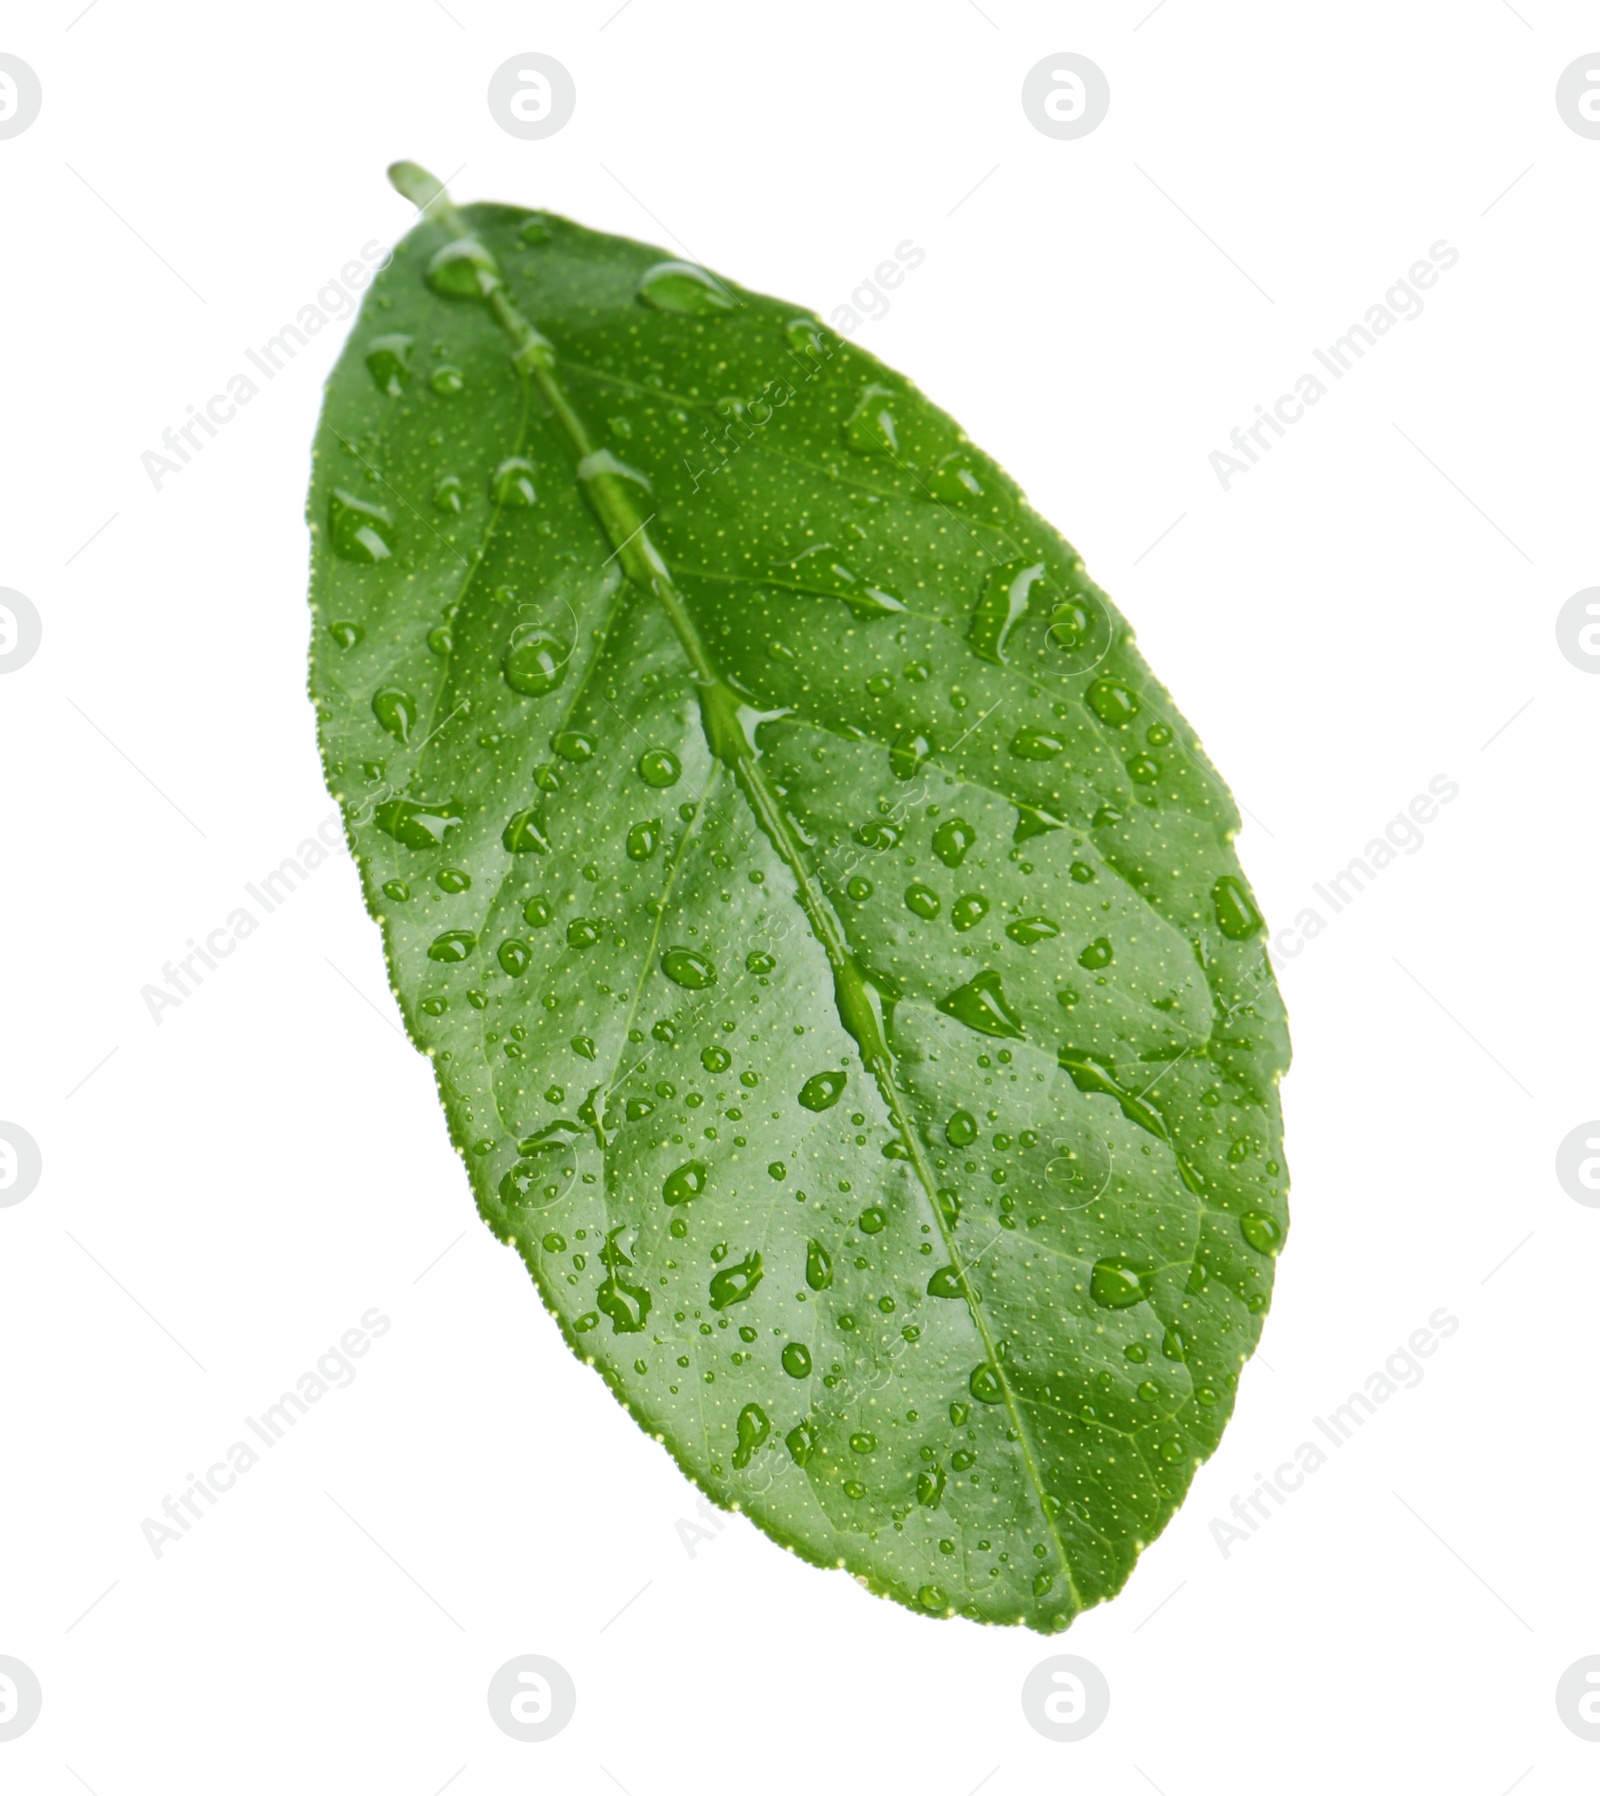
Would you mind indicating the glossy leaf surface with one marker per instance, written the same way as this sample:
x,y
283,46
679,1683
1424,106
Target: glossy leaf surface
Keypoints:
x,y
823,927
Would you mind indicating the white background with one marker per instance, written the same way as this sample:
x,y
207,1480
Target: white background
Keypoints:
x,y
231,1189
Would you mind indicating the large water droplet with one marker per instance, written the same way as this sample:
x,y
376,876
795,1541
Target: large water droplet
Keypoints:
x,y
682,287
416,826
986,1384
872,428
512,482
449,494
689,1180
514,956
962,1128
453,945
922,901
734,1284
822,569
388,361
1036,745
819,1266
536,661
953,839
360,532
956,478
1006,595
796,1360
690,970
1261,1231
1237,917
660,767
907,753
1112,702
983,1006
524,834
396,711
1114,1286
463,270
753,1428
447,381
1028,930
643,840
823,1090
969,910
946,1282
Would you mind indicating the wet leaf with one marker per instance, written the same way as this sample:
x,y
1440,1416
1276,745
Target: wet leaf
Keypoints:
x,y
822,924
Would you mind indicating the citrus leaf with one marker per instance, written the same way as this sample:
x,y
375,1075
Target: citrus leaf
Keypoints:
x,y
824,929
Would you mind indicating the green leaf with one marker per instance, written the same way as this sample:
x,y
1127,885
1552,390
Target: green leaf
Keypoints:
x,y
823,927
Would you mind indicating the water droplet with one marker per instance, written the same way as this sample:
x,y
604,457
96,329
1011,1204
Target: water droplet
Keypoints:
x,y
953,839
627,1305
1007,592
583,932
463,270
690,970
345,634
602,461
397,889
821,569
512,482
872,1221
1097,954
1114,1286
930,1596
957,478
930,1486
823,1090
536,229
753,1428
537,912
660,767
453,945
524,834
536,661
684,288
757,962
416,825
449,494
1261,1231
1237,917
688,1181
872,428
946,1282
805,337
1112,702
361,532
514,956
1028,930
962,1128
734,1284
447,380
573,745
796,1360
643,840
863,1443
819,1266
983,1006
801,1440
1036,745
715,1060
859,889
969,910
388,361
923,901
1144,770
452,879
985,1384
440,641
907,753
396,711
